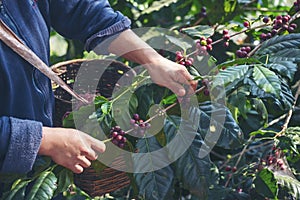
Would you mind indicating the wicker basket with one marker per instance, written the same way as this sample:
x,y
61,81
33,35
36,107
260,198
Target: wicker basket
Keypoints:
x,y
90,181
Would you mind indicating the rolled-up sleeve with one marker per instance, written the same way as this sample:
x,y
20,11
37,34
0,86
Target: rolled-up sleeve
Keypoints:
x,y
90,21
20,142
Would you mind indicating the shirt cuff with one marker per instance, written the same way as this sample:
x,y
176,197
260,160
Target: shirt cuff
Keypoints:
x,y
26,136
97,38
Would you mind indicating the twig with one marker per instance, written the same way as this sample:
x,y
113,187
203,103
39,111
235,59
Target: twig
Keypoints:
x,y
243,31
290,113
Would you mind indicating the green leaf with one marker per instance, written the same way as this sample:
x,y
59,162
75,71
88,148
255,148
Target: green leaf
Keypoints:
x,y
99,100
218,127
230,5
286,69
266,184
64,180
156,181
106,108
291,55
281,48
292,184
266,80
41,164
229,75
44,187
240,61
179,42
123,108
157,5
169,99
192,167
199,31
17,191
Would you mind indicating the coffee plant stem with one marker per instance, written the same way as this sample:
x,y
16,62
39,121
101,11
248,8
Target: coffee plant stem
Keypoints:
x,y
264,10
249,149
130,88
243,31
290,113
107,140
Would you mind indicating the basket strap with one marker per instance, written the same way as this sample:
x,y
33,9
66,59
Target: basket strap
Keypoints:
x,y
16,44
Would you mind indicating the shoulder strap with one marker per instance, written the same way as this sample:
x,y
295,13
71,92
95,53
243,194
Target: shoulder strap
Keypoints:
x,y
16,44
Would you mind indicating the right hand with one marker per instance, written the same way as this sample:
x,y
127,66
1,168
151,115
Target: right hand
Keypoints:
x,y
70,148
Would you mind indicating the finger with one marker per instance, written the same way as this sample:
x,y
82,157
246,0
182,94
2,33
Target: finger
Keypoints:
x,y
177,88
84,162
77,169
89,153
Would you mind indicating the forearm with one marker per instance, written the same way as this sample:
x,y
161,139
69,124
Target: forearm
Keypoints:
x,y
162,71
133,48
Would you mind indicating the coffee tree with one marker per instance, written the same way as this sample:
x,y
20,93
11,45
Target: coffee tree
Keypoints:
x,y
245,56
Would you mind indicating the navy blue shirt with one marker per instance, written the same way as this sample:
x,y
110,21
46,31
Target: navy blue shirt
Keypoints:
x,y
26,98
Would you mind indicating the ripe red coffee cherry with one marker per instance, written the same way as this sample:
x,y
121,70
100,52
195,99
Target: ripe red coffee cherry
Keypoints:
x,y
226,37
246,24
225,32
234,169
228,168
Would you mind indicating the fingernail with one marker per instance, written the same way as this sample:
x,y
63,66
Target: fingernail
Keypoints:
x,y
181,92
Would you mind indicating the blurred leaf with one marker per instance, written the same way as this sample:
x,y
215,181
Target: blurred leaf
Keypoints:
x,y
64,180
179,42
230,5
292,184
192,169
218,127
17,191
266,184
157,5
199,31
156,182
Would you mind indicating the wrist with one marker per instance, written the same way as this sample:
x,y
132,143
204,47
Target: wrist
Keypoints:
x,y
46,144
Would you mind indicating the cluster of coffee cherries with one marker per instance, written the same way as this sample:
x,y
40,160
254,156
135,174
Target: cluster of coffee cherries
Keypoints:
x,y
273,160
280,23
226,37
139,126
118,136
203,12
297,5
243,52
181,59
204,44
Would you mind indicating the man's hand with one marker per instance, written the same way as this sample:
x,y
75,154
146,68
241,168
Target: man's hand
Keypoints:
x,y
70,148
